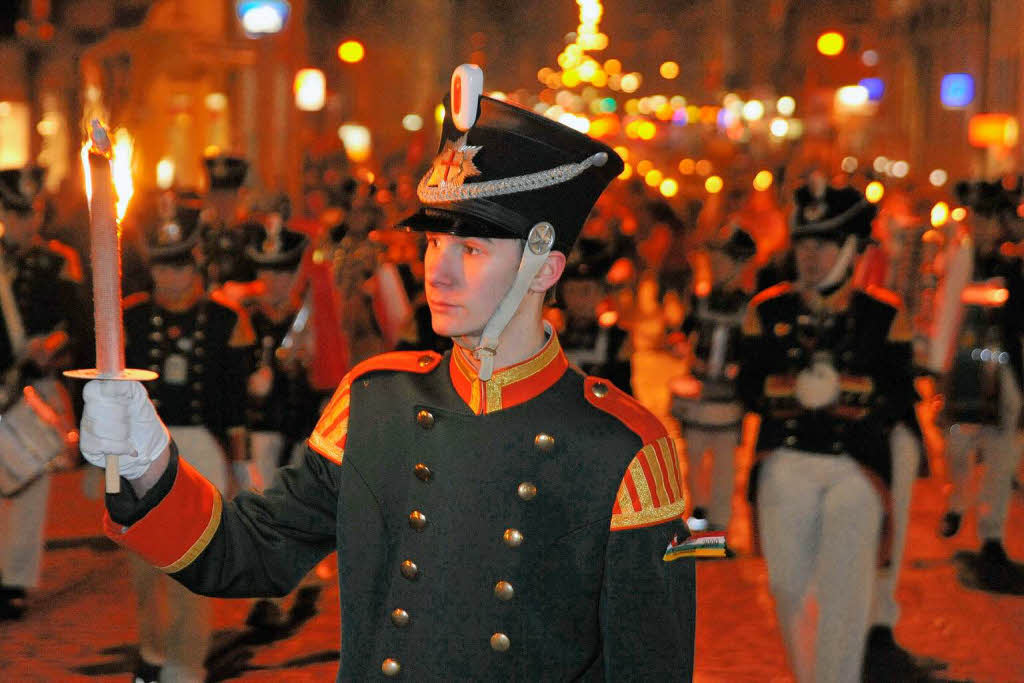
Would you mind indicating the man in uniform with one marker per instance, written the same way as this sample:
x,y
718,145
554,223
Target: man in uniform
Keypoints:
x,y
496,514
282,406
41,302
984,385
225,235
828,369
712,417
202,350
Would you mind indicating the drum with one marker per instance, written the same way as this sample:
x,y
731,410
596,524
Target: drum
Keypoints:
x,y
34,431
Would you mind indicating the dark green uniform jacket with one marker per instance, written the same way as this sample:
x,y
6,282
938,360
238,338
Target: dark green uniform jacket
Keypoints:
x,y
515,529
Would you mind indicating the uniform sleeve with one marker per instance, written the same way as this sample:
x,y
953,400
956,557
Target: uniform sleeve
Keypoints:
x,y
238,364
255,545
648,599
750,381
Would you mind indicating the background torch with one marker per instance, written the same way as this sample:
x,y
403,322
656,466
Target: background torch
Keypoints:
x,y
105,257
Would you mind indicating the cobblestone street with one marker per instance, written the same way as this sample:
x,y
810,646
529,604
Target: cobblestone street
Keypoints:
x,y
81,625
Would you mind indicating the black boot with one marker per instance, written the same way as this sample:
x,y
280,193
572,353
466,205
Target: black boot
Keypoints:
x,y
950,524
12,603
996,572
146,672
885,660
304,607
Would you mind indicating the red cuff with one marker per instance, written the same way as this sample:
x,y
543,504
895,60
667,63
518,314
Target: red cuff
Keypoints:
x,y
172,534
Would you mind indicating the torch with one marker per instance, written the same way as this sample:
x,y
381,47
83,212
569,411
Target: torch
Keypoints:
x,y
105,255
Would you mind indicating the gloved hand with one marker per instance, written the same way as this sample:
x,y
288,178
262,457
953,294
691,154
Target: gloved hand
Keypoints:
x,y
817,386
119,419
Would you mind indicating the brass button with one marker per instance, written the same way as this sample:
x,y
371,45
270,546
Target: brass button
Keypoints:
x,y
399,617
790,440
527,491
837,446
390,667
513,538
503,590
544,442
156,320
425,419
417,520
790,424
422,472
600,389
409,569
424,361
500,642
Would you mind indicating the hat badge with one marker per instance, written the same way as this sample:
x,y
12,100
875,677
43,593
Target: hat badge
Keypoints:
x,y
272,245
454,164
27,185
220,168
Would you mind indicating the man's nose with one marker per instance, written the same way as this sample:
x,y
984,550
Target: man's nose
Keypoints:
x,y
440,267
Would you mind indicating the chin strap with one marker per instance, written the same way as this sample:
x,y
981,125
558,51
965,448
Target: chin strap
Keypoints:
x,y
538,246
842,265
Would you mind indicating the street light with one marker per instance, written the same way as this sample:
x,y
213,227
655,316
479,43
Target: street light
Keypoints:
x,y
831,44
262,17
351,51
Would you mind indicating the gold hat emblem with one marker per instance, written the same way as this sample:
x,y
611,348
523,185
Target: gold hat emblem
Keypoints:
x,y
454,164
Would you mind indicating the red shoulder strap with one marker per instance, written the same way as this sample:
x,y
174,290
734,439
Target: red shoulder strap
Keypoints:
x,y
602,394
886,296
770,293
419,362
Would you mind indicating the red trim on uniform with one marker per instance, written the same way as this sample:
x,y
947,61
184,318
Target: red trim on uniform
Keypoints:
x,y
401,361
634,497
624,407
886,296
771,293
664,472
174,527
135,299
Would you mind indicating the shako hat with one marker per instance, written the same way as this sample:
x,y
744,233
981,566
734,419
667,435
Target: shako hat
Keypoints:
x,y
226,172
279,249
502,169
831,213
506,172
20,186
172,242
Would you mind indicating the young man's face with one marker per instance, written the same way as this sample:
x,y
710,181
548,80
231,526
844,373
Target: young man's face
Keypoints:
x,y
20,226
465,278
278,284
815,258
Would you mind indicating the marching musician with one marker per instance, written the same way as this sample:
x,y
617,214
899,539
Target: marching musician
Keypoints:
x,y
983,386
282,406
712,417
497,515
827,367
41,302
202,349
225,230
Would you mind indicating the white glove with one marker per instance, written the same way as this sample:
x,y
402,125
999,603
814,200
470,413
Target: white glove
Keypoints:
x,y
817,386
119,419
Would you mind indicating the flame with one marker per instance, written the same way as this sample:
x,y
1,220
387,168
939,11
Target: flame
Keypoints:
x,y
85,171
121,169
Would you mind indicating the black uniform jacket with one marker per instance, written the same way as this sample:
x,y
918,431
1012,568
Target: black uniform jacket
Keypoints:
x,y
515,529
866,337
202,349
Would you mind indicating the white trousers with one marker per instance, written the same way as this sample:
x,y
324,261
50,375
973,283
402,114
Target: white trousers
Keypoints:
x,y
998,445
175,624
906,456
22,529
714,496
819,518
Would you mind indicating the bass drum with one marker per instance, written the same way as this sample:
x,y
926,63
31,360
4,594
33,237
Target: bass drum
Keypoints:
x,y
36,430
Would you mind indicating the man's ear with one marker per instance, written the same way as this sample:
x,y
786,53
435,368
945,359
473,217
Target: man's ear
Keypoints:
x,y
549,273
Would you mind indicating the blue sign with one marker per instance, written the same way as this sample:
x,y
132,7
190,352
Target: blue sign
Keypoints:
x,y
874,86
957,90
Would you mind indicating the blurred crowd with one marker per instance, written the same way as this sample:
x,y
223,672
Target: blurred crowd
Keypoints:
x,y
231,293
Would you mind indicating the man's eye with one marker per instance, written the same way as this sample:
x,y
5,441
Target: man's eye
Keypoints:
x,y
471,250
